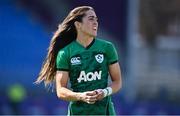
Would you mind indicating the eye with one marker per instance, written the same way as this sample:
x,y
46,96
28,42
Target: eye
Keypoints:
x,y
93,19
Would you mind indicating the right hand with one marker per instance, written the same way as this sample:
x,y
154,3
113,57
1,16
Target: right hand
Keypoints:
x,y
89,97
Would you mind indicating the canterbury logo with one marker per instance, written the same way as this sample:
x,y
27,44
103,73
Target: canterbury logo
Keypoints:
x,y
75,60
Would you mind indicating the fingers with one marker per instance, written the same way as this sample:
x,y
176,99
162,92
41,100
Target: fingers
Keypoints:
x,y
90,102
91,93
91,97
100,94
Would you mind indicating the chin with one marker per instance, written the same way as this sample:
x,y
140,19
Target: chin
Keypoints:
x,y
92,34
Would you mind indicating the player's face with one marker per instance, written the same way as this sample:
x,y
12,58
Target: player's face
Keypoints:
x,y
89,24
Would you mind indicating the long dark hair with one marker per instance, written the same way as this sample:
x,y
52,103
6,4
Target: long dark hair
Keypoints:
x,y
64,35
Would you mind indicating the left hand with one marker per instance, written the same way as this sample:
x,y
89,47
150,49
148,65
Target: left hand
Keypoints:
x,y
100,94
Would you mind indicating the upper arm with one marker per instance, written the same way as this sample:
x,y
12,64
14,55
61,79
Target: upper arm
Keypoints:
x,y
62,79
111,52
114,68
115,72
62,60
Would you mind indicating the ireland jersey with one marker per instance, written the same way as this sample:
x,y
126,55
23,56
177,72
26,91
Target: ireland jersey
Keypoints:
x,y
88,70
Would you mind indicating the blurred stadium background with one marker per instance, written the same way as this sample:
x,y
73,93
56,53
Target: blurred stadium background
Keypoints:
x,y
145,32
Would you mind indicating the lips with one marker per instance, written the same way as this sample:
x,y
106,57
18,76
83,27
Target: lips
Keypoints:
x,y
95,28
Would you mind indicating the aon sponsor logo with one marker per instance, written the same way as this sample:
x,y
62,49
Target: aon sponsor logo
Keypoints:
x,y
90,76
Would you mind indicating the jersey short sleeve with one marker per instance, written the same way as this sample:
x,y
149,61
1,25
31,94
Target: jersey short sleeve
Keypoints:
x,y
111,54
62,61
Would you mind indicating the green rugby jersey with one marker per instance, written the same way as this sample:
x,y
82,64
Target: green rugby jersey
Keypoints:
x,y
88,70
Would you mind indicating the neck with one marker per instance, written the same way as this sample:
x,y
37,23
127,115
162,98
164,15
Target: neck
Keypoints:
x,y
84,39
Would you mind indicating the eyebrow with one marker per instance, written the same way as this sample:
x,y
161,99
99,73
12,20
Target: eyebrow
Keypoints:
x,y
92,17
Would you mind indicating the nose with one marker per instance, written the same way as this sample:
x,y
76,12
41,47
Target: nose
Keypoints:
x,y
95,23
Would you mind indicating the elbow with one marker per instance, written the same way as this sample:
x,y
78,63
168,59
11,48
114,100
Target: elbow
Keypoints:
x,y
61,95
119,86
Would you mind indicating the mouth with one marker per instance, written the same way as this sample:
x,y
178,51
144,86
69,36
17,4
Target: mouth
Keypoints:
x,y
95,28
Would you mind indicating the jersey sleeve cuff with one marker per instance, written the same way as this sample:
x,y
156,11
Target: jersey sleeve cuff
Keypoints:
x,y
62,69
113,62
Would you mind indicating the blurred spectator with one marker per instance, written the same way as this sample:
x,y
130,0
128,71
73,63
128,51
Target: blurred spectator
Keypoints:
x,y
16,94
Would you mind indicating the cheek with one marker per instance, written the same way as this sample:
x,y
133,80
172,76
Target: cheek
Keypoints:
x,y
86,26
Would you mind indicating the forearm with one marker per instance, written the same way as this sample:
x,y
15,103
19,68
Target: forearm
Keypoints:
x,y
115,73
116,86
68,95
113,88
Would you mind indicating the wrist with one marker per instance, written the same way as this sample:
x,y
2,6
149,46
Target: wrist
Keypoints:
x,y
78,96
107,91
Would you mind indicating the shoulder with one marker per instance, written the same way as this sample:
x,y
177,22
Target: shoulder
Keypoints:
x,y
65,50
69,46
104,42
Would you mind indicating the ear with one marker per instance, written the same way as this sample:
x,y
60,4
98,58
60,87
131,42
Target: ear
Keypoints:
x,y
77,24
